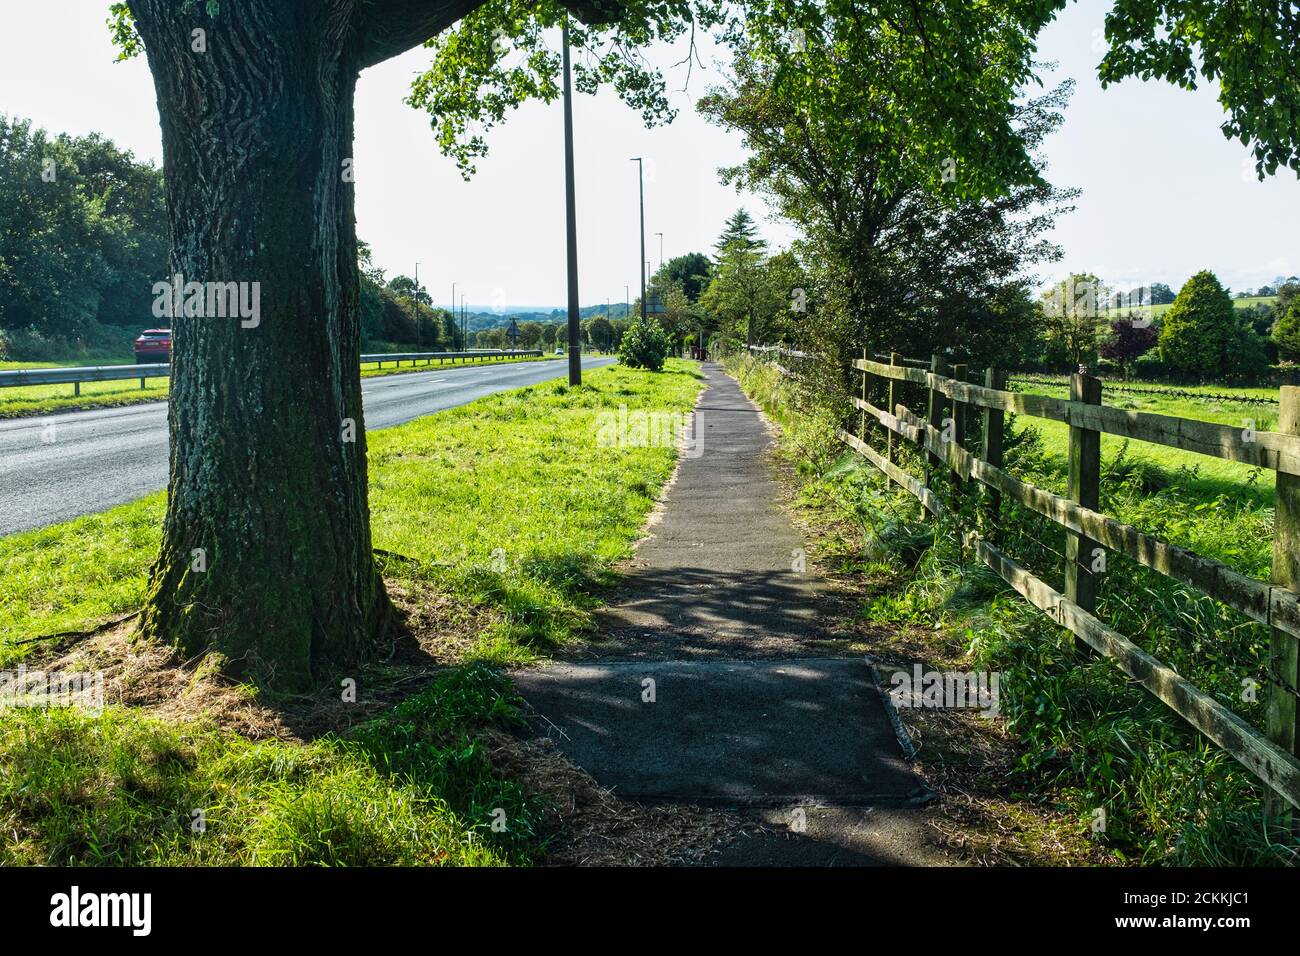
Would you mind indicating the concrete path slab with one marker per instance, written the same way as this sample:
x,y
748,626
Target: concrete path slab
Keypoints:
x,y
730,732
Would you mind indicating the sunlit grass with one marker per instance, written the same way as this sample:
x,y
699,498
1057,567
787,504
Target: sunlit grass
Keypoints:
x,y
412,787
520,471
1203,476
29,400
523,472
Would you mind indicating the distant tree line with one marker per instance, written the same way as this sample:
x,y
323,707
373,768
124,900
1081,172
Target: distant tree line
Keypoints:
x,y
82,240
1202,336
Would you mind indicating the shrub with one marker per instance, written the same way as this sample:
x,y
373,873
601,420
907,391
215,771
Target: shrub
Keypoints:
x,y
1150,366
1244,356
105,342
1202,335
1126,342
1286,331
645,345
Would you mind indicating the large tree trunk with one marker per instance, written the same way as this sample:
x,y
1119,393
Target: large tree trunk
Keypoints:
x,y
266,555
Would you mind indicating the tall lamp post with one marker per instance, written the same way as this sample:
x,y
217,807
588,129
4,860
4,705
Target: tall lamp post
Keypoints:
x,y
571,217
640,167
416,297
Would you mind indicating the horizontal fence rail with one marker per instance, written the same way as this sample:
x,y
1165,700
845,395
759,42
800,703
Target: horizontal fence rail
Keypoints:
x,y
1275,451
941,438
15,378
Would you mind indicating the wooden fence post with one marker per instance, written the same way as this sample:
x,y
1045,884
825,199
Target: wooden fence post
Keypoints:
x,y
1284,664
992,451
894,360
1085,489
862,428
934,415
959,418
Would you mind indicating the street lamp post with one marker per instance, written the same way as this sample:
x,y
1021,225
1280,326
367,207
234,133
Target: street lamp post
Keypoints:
x,y
415,297
640,165
571,217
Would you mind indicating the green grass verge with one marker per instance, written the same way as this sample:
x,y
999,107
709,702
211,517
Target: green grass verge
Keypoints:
x,y
372,369
511,502
8,366
27,401
411,787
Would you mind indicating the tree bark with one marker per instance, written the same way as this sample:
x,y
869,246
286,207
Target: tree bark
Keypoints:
x,y
266,555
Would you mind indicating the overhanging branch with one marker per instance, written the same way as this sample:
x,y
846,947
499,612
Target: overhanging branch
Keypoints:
x,y
387,28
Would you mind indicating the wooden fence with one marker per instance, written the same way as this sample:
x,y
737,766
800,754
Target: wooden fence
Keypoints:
x,y
941,434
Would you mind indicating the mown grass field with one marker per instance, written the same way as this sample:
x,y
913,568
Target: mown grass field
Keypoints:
x,y
1158,310
1083,738
31,400
1201,477
508,505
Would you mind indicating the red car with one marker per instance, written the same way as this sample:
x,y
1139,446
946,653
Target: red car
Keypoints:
x,y
153,347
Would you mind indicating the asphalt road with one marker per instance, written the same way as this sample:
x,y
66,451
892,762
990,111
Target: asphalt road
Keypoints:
x,y
64,466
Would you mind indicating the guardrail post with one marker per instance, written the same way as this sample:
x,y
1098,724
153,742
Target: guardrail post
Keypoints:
x,y
992,451
76,389
1084,489
933,415
142,383
1284,649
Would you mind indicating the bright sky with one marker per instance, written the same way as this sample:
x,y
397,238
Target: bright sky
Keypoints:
x,y
1165,195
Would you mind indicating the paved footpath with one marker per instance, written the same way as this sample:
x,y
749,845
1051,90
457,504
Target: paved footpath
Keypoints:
x,y
718,681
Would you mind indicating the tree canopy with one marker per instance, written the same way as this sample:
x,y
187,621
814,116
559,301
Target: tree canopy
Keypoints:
x,y
1249,47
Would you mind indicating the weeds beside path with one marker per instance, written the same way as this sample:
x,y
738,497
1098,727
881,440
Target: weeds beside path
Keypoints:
x,y
1080,765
